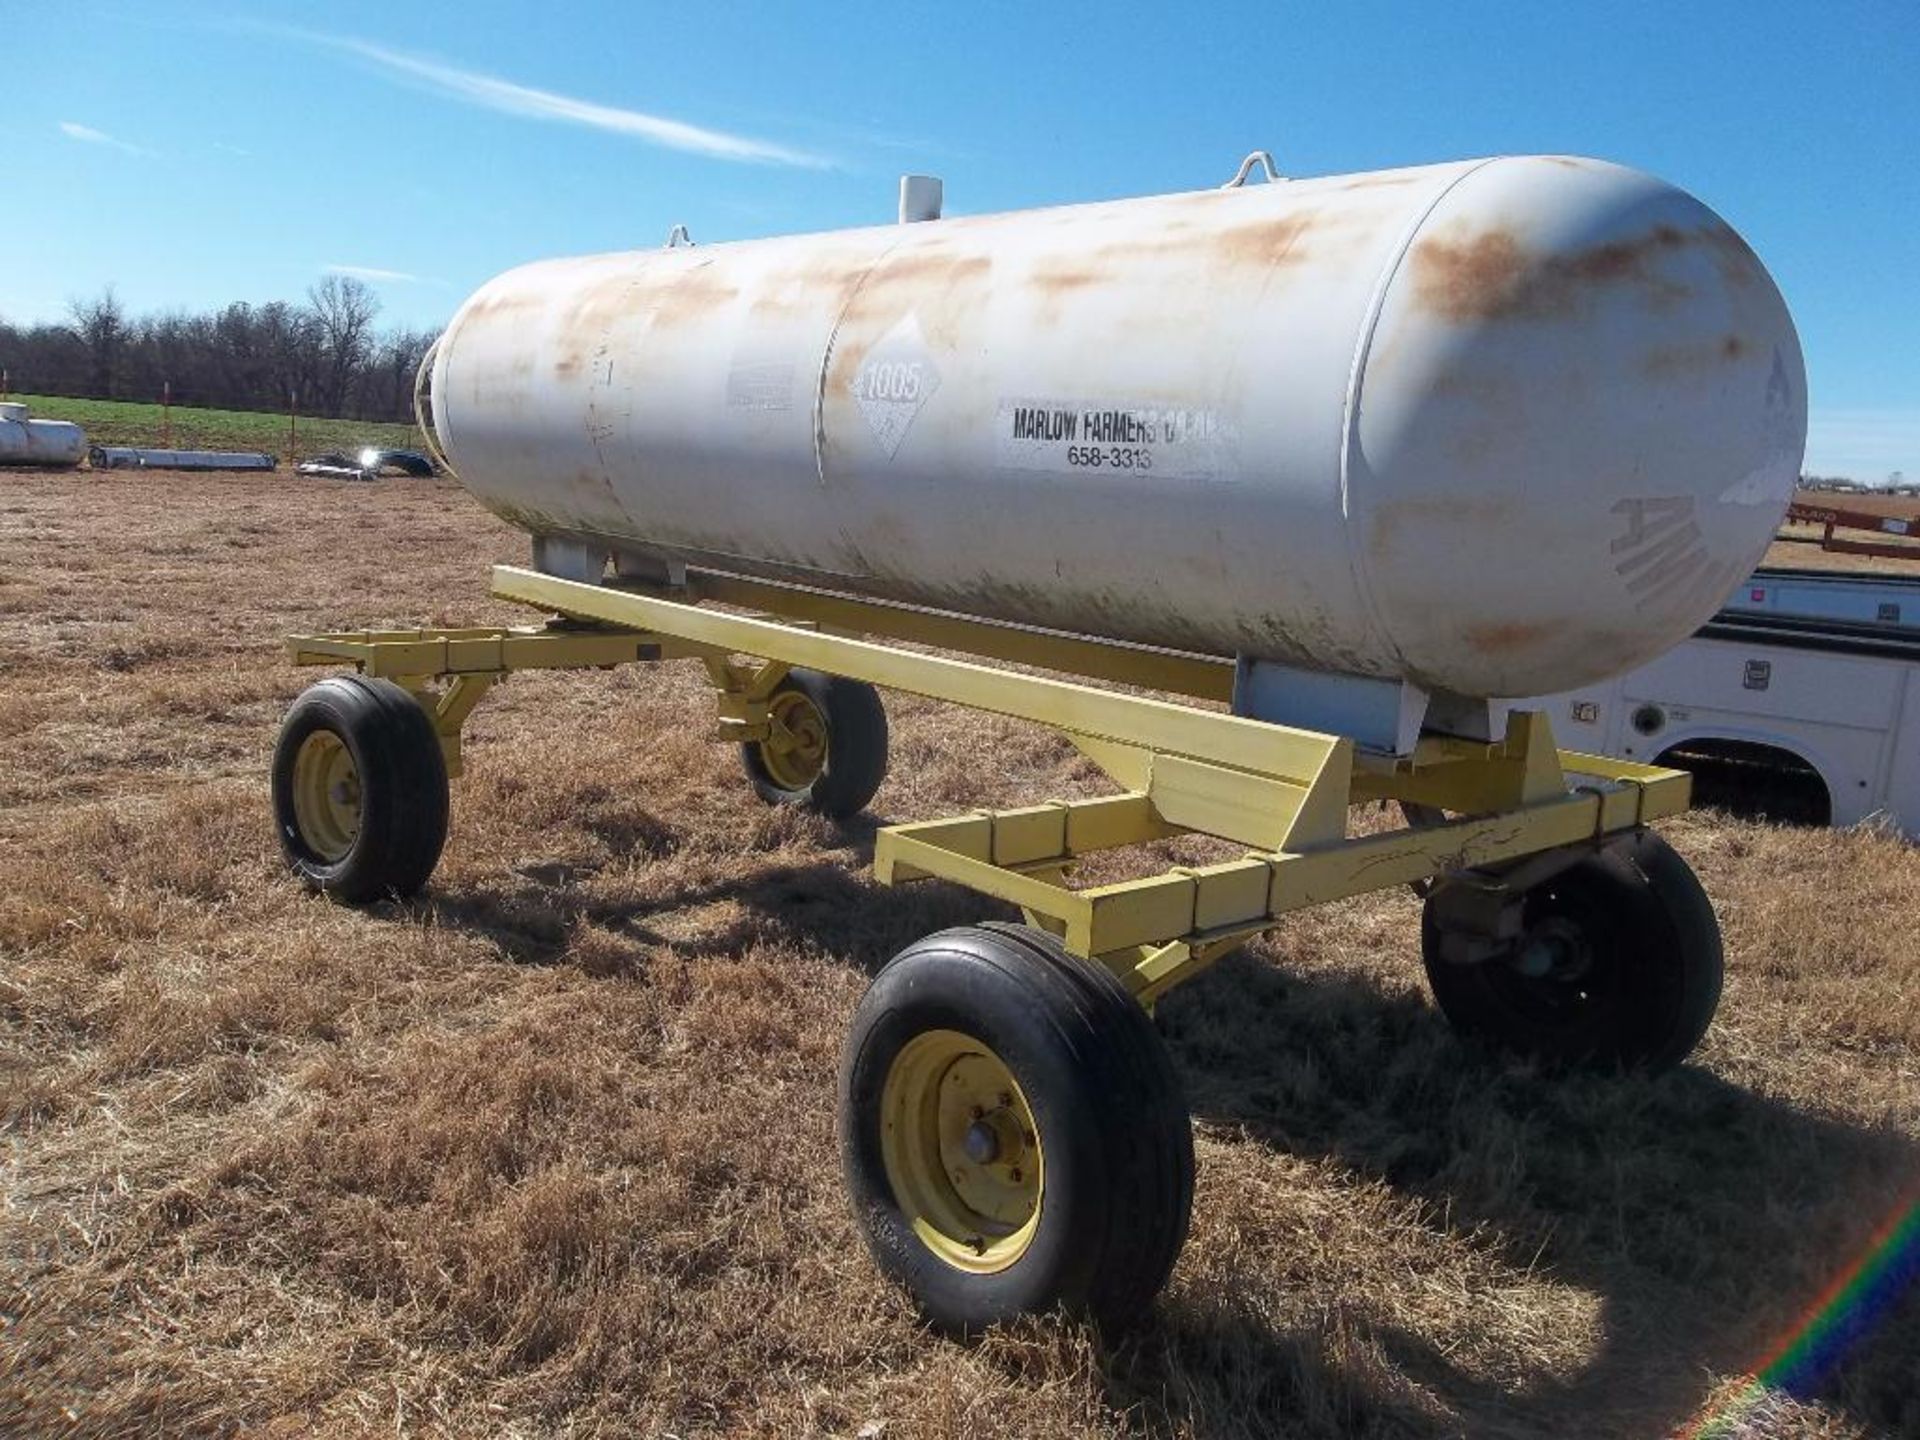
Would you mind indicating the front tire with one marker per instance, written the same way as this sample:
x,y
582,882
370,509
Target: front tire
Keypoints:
x,y
827,745
360,795
1013,1133
1619,965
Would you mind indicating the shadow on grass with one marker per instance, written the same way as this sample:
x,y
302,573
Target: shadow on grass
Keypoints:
x,y
824,906
1703,1217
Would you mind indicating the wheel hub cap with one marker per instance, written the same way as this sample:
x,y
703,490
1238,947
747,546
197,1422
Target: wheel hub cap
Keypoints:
x,y
961,1151
981,1144
326,795
1554,949
795,750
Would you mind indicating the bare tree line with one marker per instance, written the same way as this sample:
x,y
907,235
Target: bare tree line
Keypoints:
x,y
325,354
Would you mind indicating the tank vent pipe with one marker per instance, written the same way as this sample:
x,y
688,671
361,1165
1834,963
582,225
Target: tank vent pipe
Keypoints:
x,y
920,198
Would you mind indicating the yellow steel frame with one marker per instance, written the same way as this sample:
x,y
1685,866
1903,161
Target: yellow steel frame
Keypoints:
x,y
1281,792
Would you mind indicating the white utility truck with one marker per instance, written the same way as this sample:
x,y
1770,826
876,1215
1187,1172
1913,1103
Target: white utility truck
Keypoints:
x,y
1800,701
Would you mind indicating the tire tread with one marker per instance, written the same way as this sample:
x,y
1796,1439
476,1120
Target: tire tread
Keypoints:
x,y
1658,895
403,777
1127,1235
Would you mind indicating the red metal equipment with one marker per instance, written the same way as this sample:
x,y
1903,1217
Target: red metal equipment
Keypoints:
x,y
1833,518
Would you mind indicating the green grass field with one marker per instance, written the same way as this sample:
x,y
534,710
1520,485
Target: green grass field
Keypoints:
x,y
127,422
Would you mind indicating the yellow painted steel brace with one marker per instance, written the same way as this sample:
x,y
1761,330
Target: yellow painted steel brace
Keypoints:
x,y
1283,793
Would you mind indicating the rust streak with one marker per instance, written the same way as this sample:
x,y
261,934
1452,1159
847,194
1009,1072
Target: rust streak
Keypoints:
x,y
1268,243
1493,277
1417,518
931,267
1506,638
1054,279
1732,256
1672,361
689,298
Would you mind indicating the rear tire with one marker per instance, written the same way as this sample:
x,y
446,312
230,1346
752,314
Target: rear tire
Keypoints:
x,y
1067,1184
1620,965
360,795
829,751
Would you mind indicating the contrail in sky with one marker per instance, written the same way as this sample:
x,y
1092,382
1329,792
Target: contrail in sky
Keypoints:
x,y
489,92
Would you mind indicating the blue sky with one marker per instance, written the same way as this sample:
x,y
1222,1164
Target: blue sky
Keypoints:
x,y
193,154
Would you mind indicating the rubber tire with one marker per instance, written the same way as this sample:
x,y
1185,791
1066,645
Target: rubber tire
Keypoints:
x,y
1106,1103
403,786
1657,954
856,747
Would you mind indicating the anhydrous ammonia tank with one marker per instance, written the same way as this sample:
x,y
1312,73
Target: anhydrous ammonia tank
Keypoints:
x,y
1501,427
26,441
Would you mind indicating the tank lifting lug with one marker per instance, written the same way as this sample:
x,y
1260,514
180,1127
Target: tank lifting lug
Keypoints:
x,y
1257,157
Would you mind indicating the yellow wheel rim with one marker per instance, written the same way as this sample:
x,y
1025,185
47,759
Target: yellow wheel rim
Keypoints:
x,y
961,1151
795,750
326,795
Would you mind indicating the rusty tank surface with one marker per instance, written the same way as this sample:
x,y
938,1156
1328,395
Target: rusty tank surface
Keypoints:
x,y
1498,427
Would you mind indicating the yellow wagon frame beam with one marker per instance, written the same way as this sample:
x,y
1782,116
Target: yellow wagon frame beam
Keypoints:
x,y
1282,792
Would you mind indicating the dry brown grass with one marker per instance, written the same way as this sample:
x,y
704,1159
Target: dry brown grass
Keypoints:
x,y
1800,549
550,1151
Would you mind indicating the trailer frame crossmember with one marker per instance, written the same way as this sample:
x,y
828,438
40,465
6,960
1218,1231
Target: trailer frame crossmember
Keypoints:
x,y
1284,793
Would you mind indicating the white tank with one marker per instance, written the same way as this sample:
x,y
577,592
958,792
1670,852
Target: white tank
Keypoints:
x,y
25,441
1501,427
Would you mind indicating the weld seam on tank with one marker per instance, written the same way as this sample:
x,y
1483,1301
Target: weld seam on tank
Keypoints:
x,y
826,357
441,358
605,348
424,418
1350,413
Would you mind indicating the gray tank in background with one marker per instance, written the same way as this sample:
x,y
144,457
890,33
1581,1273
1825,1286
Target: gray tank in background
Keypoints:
x,y
26,441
